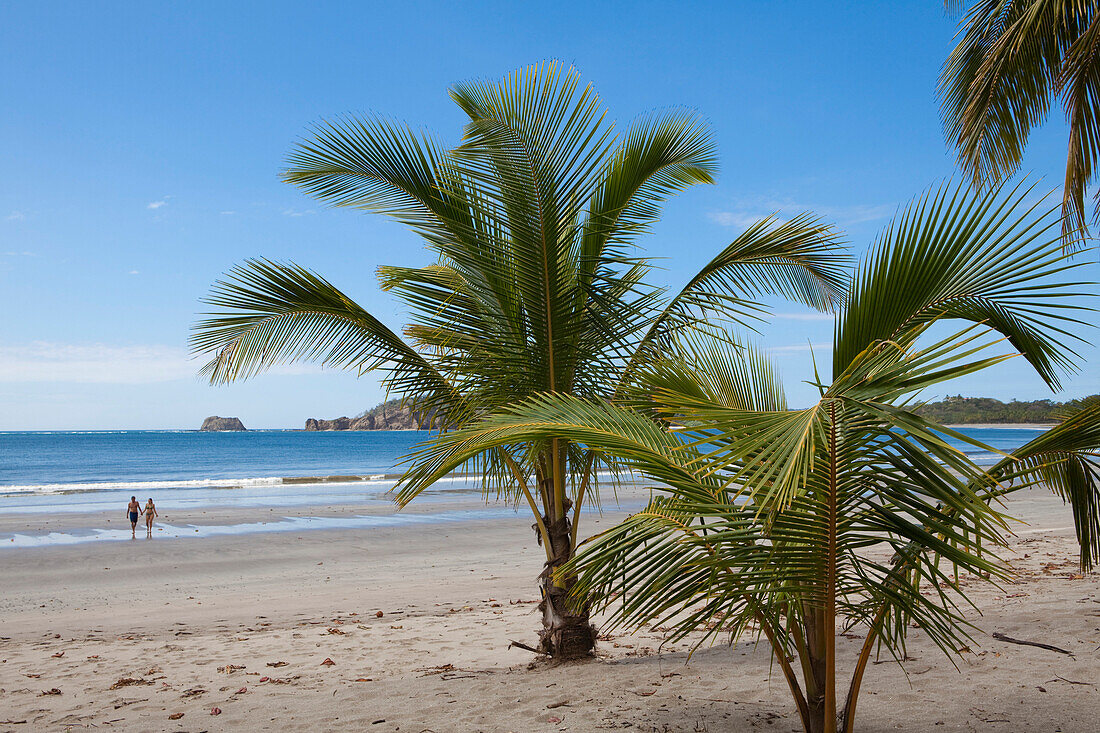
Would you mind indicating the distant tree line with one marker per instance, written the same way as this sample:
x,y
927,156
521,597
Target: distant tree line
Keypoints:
x,y
963,410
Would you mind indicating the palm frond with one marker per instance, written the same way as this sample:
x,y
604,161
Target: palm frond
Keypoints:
x,y
984,258
271,313
1012,61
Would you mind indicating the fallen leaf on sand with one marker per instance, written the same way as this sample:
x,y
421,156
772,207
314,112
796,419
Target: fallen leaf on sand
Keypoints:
x,y
51,691
265,679
193,692
334,630
277,664
127,681
175,716
327,663
241,691
58,655
230,668
215,711
553,719
363,679
33,676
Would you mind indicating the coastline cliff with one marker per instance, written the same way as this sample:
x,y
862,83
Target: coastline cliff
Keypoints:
x,y
390,415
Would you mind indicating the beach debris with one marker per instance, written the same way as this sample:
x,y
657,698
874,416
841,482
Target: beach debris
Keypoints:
x,y
334,630
363,679
558,704
230,668
241,691
521,645
380,720
128,681
265,679
175,716
397,627
328,662
215,711
32,676
1001,637
193,692
58,655
439,669
51,691
1072,682
553,719
123,702
378,614
277,664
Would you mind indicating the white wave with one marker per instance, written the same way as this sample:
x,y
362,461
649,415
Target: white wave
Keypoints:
x,y
139,487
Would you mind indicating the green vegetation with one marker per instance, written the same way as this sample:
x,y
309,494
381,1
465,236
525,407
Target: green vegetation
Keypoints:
x,y
961,410
853,513
536,287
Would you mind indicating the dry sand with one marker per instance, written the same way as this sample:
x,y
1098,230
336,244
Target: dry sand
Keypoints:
x,y
130,635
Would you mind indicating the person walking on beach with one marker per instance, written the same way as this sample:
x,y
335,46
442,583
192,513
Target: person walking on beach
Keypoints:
x,y
133,509
150,512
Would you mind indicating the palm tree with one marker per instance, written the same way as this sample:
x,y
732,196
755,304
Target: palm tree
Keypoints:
x,y
854,510
1013,60
534,289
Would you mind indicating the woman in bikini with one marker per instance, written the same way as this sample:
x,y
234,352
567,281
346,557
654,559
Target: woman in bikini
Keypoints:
x,y
132,510
150,512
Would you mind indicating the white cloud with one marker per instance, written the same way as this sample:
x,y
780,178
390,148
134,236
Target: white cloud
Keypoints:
x,y
228,213
24,253
800,347
134,272
738,219
15,216
747,212
292,212
43,361
805,316
157,204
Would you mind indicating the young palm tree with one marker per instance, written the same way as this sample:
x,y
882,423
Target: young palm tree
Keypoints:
x,y
534,289
792,522
1013,60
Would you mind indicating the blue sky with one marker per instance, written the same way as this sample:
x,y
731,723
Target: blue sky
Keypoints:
x,y
142,144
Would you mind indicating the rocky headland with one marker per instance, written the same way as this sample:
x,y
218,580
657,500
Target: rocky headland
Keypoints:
x,y
390,415
215,423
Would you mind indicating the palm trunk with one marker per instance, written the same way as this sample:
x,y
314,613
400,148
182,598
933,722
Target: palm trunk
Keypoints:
x,y
567,632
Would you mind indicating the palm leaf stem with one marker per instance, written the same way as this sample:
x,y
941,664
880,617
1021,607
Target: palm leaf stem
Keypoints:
x,y
849,719
521,480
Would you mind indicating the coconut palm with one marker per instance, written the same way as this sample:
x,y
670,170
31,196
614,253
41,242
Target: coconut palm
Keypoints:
x,y
1014,59
534,288
854,511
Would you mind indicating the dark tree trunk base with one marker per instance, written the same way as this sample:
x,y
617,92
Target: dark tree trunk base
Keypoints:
x,y
565,633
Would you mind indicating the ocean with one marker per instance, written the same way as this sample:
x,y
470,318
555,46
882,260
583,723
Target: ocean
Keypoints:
x,y
97,471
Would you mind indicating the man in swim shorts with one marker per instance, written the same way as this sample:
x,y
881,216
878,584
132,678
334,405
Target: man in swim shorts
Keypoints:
x,y
133,509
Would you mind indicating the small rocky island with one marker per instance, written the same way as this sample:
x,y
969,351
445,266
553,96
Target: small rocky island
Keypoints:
x,y
390,415
215,423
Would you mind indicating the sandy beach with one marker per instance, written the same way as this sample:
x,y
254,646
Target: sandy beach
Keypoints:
x,y
416,620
